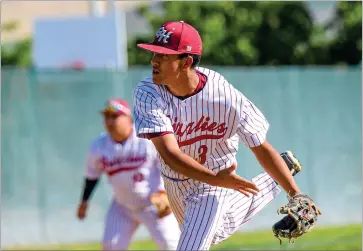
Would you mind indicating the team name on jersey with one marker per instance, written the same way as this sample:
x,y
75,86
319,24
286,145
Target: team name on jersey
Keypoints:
x,y
119,163
213,130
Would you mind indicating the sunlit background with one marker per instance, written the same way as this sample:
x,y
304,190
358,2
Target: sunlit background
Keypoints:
x,y
299,62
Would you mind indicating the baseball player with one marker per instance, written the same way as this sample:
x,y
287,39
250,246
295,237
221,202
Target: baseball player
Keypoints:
x,y
133,171
195,119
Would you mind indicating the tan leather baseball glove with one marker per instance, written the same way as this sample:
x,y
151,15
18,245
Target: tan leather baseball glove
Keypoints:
x,y
301,216
161,202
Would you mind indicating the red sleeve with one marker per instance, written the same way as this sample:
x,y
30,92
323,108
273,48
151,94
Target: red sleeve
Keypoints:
x,y
156,134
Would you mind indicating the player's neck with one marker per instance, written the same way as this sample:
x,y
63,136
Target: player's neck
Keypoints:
x,y
121,138
185,85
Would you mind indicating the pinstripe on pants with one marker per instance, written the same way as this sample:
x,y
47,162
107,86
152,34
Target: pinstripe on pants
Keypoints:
x,y
208,215
121,224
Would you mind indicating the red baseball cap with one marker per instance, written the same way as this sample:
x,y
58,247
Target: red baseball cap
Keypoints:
x,y
175,38
117,106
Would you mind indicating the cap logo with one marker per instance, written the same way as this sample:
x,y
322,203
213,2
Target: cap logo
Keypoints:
x,y
117,107
163,35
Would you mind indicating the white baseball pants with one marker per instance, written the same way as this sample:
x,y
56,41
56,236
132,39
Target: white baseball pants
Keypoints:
x,y
121,223
209,215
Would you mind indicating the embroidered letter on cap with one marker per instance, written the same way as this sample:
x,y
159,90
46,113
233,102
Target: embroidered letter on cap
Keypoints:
x,y
163,34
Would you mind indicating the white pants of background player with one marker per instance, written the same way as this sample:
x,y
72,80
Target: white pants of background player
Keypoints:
x,y
209,215
121,224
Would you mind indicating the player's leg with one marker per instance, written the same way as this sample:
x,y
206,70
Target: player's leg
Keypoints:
x,y
119,228
165,231
203,216
241,208
176,199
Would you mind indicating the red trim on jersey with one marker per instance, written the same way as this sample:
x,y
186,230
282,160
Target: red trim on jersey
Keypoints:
x,y
202,82
155,134
121,169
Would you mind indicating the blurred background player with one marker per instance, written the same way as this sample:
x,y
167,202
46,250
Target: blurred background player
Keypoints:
x,y
133,172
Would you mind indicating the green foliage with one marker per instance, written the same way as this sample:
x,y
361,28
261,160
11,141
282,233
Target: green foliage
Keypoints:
x,y
136,56
17,54
261,33
9,26
347,46
245,33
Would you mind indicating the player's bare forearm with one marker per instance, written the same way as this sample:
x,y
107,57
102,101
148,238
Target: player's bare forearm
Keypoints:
x,y
168,149
276,167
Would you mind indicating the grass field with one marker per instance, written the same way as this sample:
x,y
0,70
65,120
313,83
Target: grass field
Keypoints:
x,y
328,238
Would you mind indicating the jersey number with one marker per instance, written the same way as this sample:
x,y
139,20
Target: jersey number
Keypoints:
x,y
138,177
203,149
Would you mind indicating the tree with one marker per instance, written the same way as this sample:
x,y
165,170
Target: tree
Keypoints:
x,y
244,33
17,54
247,33
346,48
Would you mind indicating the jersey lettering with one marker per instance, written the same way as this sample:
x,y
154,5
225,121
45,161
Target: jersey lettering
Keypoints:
x,y
207,125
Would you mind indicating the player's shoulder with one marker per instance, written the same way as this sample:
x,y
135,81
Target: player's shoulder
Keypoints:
x,y
216,81
147,92
147,87
99,142
213,76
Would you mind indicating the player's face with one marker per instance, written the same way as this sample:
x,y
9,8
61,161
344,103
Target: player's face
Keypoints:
x,y
118,126
166,68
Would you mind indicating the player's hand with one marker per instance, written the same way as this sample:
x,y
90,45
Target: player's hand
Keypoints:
x,y
161,202
82,210
228,179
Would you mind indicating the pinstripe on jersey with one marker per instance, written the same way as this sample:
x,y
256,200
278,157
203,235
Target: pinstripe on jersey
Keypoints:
x,y
132,167
133,172
208,127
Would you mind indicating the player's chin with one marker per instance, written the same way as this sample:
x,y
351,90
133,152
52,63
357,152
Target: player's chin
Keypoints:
x,y
157,79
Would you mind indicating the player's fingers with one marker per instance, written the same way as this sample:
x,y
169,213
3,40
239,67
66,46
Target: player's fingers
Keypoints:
x,y
248,184
81,214
254,192
252,186
248,190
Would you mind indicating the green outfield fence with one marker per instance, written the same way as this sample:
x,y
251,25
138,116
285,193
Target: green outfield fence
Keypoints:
x,y
49,119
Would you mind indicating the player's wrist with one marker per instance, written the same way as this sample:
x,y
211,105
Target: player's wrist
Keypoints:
x,y
83,203
214,180
292,193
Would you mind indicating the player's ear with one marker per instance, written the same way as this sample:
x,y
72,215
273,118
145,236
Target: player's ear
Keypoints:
x,y
186,62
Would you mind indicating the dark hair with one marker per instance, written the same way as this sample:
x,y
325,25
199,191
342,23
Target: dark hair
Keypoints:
x,y
196,58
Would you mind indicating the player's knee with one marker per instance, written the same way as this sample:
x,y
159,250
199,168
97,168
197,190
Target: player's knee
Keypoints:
x,y
111,245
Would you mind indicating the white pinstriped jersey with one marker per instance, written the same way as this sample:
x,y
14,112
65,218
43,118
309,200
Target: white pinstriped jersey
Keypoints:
x,y
207,125
132,167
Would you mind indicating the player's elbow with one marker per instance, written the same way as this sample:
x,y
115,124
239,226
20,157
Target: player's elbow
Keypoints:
x,y
173,158
170,156
168,148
